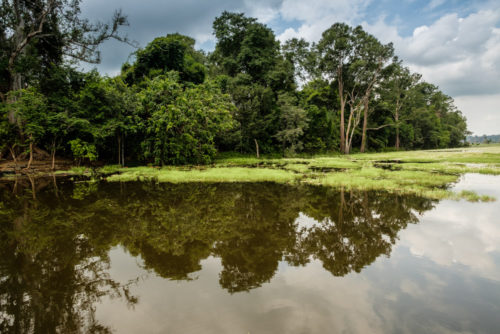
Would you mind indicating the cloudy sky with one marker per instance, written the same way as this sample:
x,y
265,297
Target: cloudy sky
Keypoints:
x,y
454,44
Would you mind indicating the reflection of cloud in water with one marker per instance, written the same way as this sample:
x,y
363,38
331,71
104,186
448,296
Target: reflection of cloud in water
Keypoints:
x,y
461,232
404,293
305,222
298,300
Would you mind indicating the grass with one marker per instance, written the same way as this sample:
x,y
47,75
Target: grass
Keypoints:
x,y
74,171
215,174
426,173
406,182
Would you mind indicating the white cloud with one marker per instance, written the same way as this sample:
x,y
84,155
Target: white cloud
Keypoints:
x,y
461,56
482,112
435,3
319,15
264,11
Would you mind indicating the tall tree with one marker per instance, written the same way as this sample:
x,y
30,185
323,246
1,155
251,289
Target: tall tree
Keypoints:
x,y
248,53
372,60
395,95
335,51
27,24
230,30
355,60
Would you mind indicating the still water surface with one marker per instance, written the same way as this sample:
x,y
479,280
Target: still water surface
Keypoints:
x,y
245,258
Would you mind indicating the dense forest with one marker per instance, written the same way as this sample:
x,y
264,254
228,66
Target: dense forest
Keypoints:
x,y
174,104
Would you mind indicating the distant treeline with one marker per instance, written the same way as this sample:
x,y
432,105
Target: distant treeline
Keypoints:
x,y
483,139
175,105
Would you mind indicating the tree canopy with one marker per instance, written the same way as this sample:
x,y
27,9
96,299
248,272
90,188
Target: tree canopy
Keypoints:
x,y
174,104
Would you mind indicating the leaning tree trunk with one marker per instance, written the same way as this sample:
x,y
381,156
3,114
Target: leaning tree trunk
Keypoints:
x,y
11,149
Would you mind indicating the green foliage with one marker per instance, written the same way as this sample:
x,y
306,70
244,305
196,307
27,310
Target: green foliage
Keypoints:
x,y
173,52
181,123
30,108
322,133
247,52
293,122
82,150
8,135
175,105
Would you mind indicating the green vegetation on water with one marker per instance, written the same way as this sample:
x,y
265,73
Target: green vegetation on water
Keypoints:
x,y
424,173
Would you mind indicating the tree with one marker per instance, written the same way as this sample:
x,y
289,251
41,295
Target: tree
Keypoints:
x,y
335,50
247,52
302,56
173,52
395,95
29,108
355,60
318,98
372,58
27,25
293,122
230,30
180,124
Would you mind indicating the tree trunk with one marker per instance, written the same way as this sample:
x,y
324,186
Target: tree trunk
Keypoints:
x,y
347,142
31,154
257,148
342,110
11,149
15,85
365,125
397,130
16,79
53,155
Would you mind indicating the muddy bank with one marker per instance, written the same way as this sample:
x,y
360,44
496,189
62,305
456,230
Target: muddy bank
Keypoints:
x,y
37,166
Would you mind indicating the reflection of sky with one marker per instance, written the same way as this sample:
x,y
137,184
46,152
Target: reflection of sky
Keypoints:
x,y
443,276
461,232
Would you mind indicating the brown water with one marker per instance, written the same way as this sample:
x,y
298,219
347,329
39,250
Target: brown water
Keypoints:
x,y
245,258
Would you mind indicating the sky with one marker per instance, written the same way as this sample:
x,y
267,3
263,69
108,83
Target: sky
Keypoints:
x,y
454,44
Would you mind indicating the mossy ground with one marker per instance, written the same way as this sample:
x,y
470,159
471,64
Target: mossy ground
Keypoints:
x,y
426,173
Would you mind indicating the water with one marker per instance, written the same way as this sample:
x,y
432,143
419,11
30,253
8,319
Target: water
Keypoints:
x,y
245,258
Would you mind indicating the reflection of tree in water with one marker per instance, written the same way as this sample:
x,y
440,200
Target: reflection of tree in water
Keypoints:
x,y
356,228
51,275
58,254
